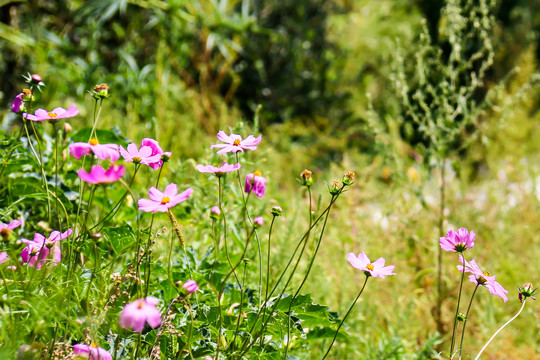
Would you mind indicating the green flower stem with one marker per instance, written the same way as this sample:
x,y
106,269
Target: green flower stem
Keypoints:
x,y
439,255
457,307
498,331
345,317
465,323
241,304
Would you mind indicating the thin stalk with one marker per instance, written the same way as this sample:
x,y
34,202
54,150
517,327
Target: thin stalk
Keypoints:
x,y
457,307
268,259
241,305
442,191
465,322
498,331
42,170
345,317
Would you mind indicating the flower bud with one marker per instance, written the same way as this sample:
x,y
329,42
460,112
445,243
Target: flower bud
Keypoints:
x,y
386,174
461,317
334,189
101,91
67,128
307,180
36,78
27,95
215,212
258,222
276,211
526,291
190,286
348,178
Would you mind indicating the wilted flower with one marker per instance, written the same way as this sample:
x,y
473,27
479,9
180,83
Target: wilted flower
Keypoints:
x,y
56,114
258,221
276,210
255,182
215,212
335,188
348,178
375,269
482,278
234,143
136,314
17,103
457,241
156,150
91,352
162,201
307,180
101,91
190,286
39,249
5,229
98,175
139,156
526,291
218,171
102,151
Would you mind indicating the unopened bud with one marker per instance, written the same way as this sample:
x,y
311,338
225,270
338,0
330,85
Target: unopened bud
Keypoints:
x,y
166,156
307,180
190,286
36,78
526,291
215,212
461,317
276,211
348,178
258,222
67,128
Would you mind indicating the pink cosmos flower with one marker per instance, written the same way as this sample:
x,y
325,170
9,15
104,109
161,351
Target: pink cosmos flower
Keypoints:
x,y
156,150
215,212
256,183
457,241
258,221
98,175
218,171
375,269
5,229
38,250
102,151
17,103
481,278
56,114
3,257
142,156
91,352
234,143
162,201
136,314
190,286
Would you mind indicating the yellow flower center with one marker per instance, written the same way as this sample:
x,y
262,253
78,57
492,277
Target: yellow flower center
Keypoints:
x,y
370,267
165,200
236,142
27,92
53,115
257,173
136,159
94,345
93,141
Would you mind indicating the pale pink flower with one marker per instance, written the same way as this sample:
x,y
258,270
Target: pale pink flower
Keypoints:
x,y
258,221
38,250
215,212
163,201
98,175
482,278
139,156
56,114
102,151
457,241
5,229
256,183
136,314
190,286
91,352
375,269
17,103
156,150
3,257
235,143
219,170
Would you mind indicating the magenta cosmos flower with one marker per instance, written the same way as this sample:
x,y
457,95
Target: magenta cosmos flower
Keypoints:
x,y
102,151
17,103
256,183
5,229
375,269
235,143
98,175
91,352
457,241
136,314
218,171
56,114
163,201
139,156
190,286
38,250
482,278
156,150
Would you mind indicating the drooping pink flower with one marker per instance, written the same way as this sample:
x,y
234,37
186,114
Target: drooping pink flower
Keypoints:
x,y
156,150
375,269
482,278
56,114
256,183
235,143
162,201
102,151
190,286
5,229
258,221
38,250
215,212
3,257
139,156
91,352
219,171
98,175
457,241
136,314
17,103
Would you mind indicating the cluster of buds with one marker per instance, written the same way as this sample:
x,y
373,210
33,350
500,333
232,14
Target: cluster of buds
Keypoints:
x,y
526,291
100,92
337,187
34,80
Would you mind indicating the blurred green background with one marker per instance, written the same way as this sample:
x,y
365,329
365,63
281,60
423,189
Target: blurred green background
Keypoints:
x,y
333,97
